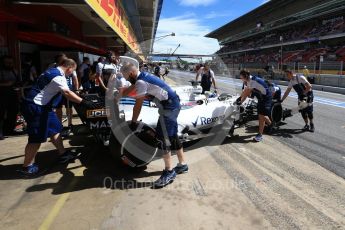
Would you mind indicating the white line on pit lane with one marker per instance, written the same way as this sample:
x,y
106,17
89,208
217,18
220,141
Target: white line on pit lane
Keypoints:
x,y
320,100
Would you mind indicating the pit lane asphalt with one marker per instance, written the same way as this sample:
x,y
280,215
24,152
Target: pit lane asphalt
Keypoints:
x,y
234,185
326,146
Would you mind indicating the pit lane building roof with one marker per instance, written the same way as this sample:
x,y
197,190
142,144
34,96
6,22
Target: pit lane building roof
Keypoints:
x,y
121,24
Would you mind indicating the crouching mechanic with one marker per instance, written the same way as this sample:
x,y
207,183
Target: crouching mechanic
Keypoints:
x,y
304,91
257,87
168,103
275,91
41,120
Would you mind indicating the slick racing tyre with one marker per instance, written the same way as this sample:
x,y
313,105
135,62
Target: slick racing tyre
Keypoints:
x,y
138,148
276,113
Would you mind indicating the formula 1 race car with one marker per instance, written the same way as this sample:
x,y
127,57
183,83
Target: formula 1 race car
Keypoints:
x,y
200,116
197,119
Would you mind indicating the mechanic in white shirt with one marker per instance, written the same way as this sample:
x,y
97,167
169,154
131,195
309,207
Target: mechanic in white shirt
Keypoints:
x,y
257,87
207,78
38,112
169,106
304,91
105,69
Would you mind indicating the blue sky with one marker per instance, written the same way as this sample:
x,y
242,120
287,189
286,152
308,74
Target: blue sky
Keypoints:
x,y
191,20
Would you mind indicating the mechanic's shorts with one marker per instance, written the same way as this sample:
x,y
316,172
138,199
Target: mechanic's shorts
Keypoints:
x,y
310,100
167,123
42,122
264,106
64,102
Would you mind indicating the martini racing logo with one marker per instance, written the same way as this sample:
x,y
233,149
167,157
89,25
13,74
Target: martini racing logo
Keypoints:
x,y
207,121
96,113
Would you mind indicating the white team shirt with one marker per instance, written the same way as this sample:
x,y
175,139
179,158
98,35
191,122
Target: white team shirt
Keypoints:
x,y
252,84
143,88
104,65
58,84
297,79
202,71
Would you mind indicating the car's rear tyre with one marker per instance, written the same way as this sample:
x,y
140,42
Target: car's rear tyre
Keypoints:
x,y
138,148
276,113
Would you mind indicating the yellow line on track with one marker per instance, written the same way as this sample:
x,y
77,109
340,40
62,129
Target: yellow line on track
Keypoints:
x,y
54,212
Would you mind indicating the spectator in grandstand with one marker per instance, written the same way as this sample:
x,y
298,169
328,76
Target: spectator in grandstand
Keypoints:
x,y
9,98
305,93
258,87
207,78
41,120
84,74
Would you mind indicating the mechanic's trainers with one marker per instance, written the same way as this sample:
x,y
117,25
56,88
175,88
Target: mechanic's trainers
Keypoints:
x,y
312,128
180,168
30,170
258,138
306,127
166,178
66,157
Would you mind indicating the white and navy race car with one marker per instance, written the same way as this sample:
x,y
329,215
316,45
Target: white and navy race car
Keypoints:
x,y
200,116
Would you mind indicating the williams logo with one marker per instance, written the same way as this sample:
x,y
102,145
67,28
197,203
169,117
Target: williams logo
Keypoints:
x,y
207,121
196,122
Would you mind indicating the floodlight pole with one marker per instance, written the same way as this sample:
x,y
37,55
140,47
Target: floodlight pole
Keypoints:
x,y
175,49
281,53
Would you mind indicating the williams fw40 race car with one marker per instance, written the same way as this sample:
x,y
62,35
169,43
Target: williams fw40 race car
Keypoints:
x,y
200,116
209,115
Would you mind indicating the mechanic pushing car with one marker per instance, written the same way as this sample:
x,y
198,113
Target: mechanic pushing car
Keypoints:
x,y
257,87
275,90
169,107
41,119
305,93
207,78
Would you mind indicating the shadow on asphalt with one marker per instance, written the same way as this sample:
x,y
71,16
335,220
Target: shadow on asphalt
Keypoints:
x,y
277,131
101,170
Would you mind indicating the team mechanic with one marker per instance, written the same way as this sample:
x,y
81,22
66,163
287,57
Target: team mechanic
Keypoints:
x,y
105,70
41,120
207,78
304,91
168,103
257,87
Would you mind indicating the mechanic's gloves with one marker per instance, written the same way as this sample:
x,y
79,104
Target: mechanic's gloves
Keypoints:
x,y
88,104
133,126
238,101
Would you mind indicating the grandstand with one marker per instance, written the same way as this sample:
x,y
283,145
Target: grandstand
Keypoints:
x,y
286,32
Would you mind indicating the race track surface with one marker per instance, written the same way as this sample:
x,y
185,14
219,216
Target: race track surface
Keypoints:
x,y
292,180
